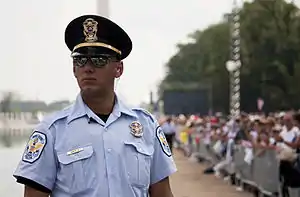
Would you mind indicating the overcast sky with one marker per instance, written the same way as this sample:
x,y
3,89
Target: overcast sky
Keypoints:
x,y
36,63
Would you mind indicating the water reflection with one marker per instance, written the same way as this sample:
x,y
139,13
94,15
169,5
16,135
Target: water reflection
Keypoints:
x,y
7,139
15,128
11,149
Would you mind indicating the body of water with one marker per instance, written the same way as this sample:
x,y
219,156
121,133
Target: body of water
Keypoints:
x,y
11,151
15,128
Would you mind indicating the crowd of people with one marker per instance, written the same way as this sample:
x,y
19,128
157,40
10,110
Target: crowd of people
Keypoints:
x,y
276,131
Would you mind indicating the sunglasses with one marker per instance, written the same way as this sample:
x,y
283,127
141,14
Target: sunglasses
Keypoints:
x,y
97,61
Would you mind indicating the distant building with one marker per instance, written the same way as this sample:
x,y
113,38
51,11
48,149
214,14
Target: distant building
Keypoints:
x,y
27,106
34,106
55,106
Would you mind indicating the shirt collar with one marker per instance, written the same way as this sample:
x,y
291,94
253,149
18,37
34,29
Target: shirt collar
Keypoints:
x,y
80,109
120,108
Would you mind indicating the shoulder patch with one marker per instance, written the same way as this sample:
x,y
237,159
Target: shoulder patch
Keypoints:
x,y
163,141
145,112
34,147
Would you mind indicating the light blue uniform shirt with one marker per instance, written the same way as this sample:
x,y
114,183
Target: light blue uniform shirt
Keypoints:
x,y
72,156
168,128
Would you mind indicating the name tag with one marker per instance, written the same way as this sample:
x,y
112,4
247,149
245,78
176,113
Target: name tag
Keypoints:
x,y
72,152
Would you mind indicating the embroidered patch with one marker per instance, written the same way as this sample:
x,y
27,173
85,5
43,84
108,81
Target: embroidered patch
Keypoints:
x,y
163,141
34,147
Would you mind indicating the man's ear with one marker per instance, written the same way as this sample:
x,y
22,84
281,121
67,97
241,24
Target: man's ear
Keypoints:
x,y
119,69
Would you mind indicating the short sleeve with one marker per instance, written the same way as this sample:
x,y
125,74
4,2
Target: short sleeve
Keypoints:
x,y
38,162
297,131
163,164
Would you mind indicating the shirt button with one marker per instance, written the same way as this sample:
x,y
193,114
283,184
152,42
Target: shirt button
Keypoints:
x,y
109,150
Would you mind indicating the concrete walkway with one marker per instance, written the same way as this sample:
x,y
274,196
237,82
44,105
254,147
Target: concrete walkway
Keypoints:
x,y
189,181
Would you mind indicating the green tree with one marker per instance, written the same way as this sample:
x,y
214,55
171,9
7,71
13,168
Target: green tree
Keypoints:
x,y
270,32
5,103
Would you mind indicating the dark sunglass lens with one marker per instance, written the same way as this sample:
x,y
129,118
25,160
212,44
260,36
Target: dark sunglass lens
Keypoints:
x,y
80,61
99,61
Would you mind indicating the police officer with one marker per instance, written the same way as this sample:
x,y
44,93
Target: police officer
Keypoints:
x,y
98,147
169,130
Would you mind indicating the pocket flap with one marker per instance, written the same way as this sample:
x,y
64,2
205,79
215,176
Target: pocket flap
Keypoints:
x,y
75,155
139,147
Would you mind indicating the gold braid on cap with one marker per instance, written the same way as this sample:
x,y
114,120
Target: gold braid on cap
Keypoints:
x,y
90,29
97,44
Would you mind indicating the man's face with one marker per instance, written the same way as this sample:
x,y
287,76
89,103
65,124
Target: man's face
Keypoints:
x,y
288,121
96,75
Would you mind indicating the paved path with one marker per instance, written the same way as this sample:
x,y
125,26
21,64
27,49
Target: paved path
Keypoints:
x,y
189,181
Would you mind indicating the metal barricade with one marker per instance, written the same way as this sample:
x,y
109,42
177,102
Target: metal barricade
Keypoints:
x,y
243,170
262,172
207,152
294,192
266,171
204,151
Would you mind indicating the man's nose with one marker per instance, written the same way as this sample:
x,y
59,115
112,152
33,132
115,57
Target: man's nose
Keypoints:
x,y
89,67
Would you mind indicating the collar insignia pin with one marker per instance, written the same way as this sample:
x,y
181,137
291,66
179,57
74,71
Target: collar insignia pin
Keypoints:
x,y
136,129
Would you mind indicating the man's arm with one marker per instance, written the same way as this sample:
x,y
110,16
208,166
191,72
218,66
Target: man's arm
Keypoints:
x,y
162,167
30,192
160,189
37,168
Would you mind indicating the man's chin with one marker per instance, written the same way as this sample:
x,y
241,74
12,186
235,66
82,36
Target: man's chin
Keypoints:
x,y
90,91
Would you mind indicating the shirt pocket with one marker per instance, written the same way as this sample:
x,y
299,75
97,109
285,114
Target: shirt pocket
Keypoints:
x,y
138,163
76,169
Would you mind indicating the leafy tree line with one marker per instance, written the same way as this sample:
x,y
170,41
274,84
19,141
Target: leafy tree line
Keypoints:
x,y
270,52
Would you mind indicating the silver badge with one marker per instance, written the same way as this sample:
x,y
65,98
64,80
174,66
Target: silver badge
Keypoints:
x,y
136,129
90,29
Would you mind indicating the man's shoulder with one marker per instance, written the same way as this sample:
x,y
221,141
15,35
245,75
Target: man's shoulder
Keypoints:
x,y
144,113
142,110
52,118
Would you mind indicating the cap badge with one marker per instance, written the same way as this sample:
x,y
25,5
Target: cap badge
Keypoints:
x,y
136,129
90,28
